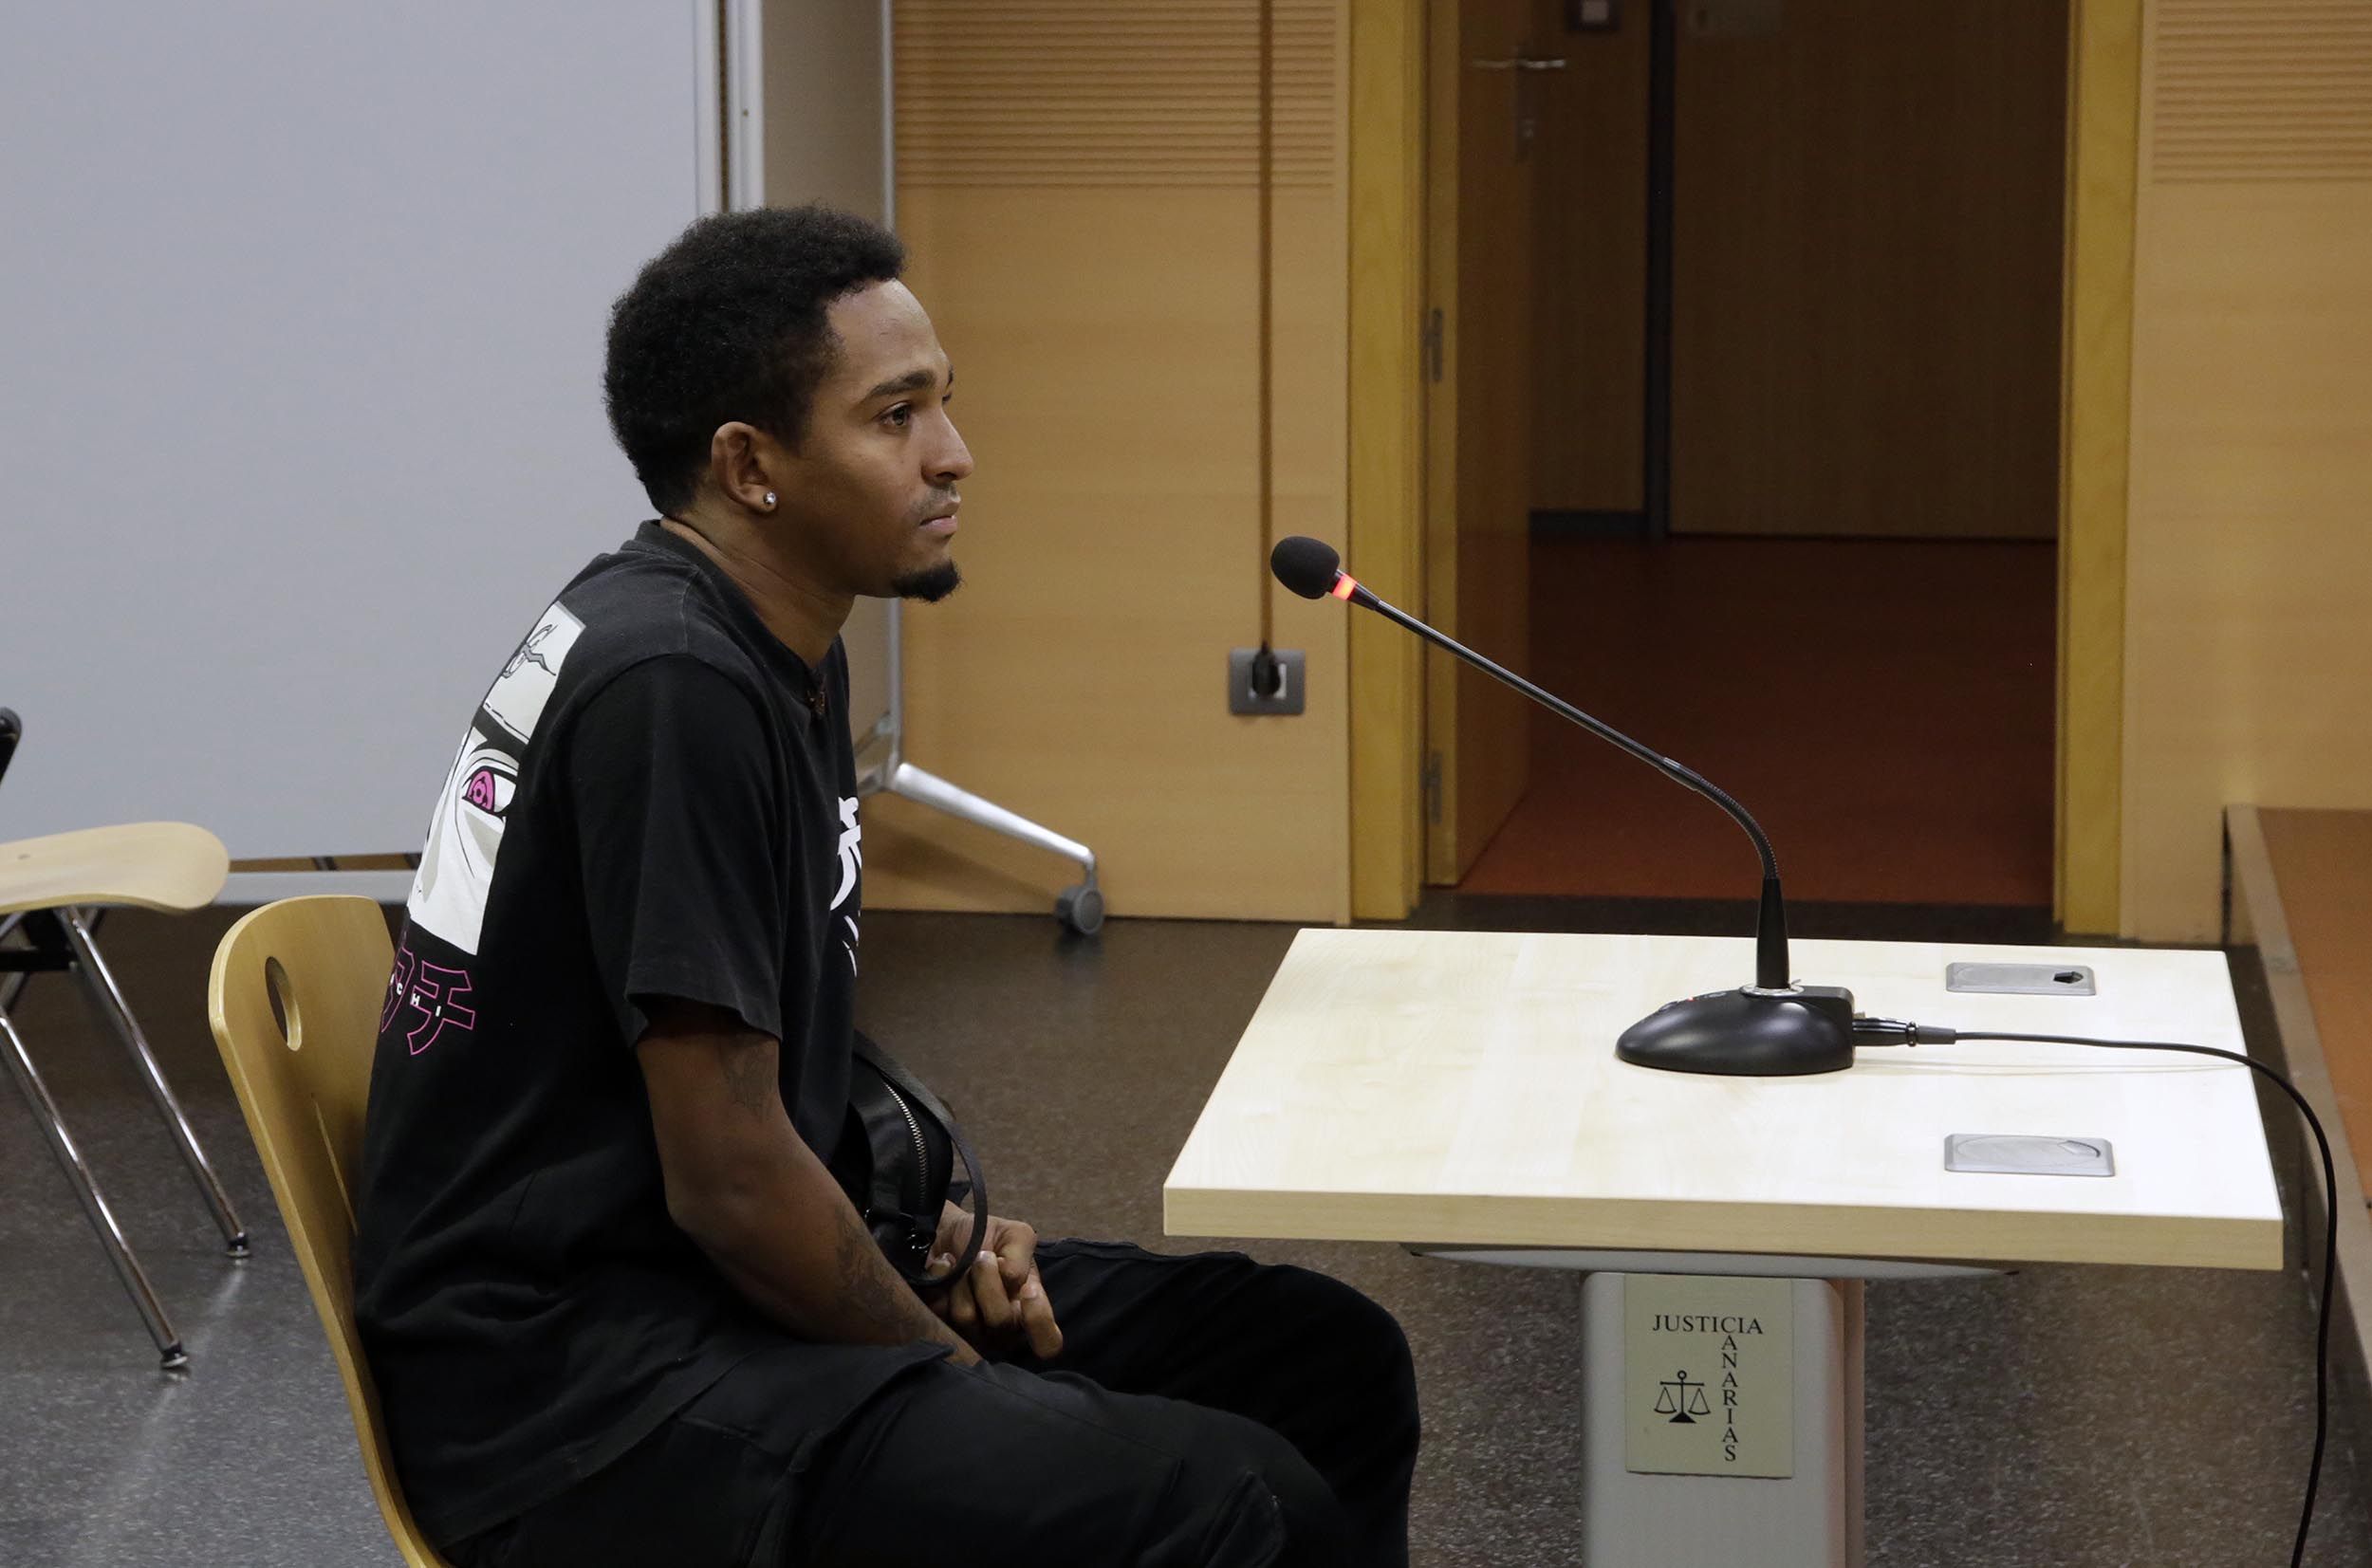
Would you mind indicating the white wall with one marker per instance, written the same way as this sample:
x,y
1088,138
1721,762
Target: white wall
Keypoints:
x,y
301,325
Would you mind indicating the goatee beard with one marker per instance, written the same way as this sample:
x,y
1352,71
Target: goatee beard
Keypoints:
x,y
929,585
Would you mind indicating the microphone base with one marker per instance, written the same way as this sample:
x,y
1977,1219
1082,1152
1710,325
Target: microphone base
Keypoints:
x,y
1747,1033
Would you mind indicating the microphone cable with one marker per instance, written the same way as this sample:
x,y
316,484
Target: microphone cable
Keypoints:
x,y
1267,678
1886,1031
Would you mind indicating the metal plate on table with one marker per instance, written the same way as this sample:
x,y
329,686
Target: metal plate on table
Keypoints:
x,y
2029,1154
2021,978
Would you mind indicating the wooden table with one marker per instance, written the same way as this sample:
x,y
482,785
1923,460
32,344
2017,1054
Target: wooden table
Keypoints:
x,y
1457,1091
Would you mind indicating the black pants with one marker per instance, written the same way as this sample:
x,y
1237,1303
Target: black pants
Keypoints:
x,y
1206,1412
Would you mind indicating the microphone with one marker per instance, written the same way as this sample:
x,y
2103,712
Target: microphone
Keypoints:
x,y
1771,1028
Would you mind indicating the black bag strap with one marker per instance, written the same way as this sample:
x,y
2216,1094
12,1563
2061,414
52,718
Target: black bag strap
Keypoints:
x,y
911,1087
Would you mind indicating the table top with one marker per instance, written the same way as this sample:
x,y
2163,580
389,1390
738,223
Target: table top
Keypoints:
x,y
1461,1087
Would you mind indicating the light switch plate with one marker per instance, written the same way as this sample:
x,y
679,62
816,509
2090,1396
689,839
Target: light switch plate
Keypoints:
x,y
1241,698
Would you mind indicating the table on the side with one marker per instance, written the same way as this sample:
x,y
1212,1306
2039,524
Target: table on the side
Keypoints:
x,y
1457,1092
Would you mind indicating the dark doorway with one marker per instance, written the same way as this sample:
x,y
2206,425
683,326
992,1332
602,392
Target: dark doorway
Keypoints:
x,y
1838,602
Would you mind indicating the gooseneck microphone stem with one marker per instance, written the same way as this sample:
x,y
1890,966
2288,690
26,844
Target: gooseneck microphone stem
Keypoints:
x,y
1770,928
1771,1028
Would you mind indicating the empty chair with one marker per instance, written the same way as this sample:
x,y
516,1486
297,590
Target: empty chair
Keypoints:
x,y
44,885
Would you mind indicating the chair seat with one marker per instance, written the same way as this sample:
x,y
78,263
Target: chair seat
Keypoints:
x,y
155,865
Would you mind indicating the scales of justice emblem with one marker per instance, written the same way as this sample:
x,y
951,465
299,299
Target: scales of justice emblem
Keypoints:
x,y
1681,1400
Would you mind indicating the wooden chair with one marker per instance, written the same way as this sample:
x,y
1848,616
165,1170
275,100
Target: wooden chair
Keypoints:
x,y
295,999
44,884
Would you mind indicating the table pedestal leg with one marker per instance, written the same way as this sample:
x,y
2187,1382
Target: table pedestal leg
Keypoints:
x,y
1809,1519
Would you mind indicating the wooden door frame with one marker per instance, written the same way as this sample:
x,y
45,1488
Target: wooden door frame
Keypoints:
x,y
1387,448
1388,148
2095,407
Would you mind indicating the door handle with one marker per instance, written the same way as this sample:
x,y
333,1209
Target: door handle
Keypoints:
x,y
1526,121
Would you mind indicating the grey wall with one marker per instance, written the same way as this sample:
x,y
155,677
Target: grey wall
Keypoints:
x,y
301,323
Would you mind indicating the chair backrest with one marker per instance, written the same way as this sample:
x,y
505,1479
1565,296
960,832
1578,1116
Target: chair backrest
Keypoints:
x,y
295,1000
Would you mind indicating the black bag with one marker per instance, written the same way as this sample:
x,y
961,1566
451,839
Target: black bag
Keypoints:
x,y
896,1161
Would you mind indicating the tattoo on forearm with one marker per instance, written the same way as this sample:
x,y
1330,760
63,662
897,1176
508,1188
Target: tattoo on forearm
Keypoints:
x,y
750,1077
871,1290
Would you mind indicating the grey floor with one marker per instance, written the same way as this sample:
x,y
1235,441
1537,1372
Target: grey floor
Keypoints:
x,y
2105,1416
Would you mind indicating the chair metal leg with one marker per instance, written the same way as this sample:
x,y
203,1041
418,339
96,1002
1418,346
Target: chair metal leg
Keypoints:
x,y
94,1206
107,998
914,783
11,986
1080,908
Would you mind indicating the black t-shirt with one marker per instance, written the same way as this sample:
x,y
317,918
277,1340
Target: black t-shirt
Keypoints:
x,y
655,799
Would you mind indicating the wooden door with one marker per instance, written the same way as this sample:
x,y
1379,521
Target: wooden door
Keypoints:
x,y
1866,264
1485,83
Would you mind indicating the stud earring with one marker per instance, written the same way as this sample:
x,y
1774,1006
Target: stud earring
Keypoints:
x,y
769,498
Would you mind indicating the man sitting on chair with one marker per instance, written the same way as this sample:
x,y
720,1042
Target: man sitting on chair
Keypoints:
x,y
618,1309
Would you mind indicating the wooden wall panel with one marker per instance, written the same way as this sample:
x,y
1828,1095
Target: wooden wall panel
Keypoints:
x,y
1589,297
2271,90
1867,269
1092,93
1102,326
2248,668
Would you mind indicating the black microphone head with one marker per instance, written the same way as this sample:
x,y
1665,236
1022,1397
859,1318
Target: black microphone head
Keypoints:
x,y
1309,566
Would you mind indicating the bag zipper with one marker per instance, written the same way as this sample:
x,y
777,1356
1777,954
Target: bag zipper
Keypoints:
x,y
922,1153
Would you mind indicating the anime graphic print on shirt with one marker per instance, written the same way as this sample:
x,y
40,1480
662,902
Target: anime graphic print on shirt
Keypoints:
x,y
851,872
457,866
